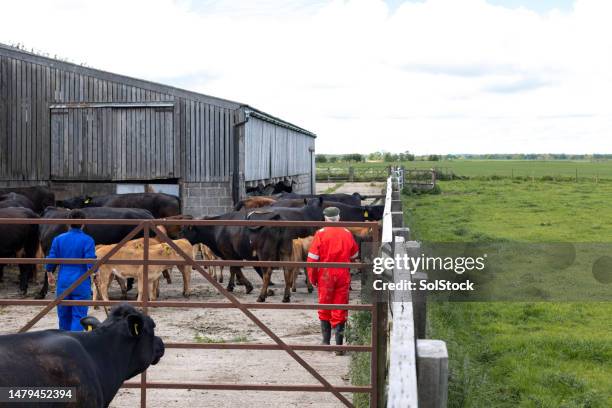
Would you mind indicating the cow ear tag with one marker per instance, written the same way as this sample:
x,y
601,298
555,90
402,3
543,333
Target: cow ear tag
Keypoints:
x,y
365,213
87,200
135,325
89,327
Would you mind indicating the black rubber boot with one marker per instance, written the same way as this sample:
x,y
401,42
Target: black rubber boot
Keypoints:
x,y
326,331
340,338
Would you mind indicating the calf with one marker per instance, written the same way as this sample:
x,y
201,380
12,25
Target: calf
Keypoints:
x,y
209,255
96,362
135,250
299,253
102,234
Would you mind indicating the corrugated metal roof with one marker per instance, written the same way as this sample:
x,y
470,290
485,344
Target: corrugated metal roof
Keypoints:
x,y
150,85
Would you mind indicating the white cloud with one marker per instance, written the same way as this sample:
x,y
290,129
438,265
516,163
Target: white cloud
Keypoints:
x,y
437,76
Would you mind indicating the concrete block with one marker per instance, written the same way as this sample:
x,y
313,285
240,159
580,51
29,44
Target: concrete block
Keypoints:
x,y
192,202
432,369
403,232
397,218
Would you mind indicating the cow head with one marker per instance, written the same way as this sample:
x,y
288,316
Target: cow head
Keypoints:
x,y
136,334
75,202
373,212
314,209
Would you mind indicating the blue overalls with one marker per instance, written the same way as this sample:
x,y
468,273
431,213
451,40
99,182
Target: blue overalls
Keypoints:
x,y
72,244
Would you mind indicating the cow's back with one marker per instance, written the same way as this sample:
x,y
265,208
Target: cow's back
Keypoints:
x,y
50,358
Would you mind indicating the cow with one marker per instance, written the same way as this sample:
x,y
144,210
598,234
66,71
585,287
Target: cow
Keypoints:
x,y
350,199
102,234
16,200
228,242
299,253
19,241
209,255
41,197
276,243
347,212
95,362
135,250
254,202
159,204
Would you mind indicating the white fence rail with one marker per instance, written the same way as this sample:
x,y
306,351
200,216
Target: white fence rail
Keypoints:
x,y
418,367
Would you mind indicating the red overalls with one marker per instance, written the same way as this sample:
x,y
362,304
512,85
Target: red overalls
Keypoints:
x,y
332,244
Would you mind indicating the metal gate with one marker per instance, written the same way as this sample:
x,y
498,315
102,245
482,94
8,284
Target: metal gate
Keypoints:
x,y
374,389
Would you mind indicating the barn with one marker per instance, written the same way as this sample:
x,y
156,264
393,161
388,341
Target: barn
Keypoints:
x,y
82,131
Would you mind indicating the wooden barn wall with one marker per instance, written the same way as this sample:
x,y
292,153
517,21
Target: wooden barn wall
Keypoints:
x,y
206,136
27,91
111,143
275,151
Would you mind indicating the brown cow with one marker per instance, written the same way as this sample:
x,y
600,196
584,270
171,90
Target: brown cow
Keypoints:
x,y
299,253
208,255
134,250
254,202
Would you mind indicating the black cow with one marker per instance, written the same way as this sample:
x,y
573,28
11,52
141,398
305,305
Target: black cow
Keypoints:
x,y
40,196
237,243
347,212
228,242
94,362
159,204
350,199
16,200
19,241
276,243
102,234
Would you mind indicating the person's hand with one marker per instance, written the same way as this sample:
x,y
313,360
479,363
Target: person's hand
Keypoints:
x,y
51,278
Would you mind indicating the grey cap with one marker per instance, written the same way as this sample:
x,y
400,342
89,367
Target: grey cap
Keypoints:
x,y
331,212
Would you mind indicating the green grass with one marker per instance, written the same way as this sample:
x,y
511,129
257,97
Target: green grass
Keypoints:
x,y
201,338
500,168
521,354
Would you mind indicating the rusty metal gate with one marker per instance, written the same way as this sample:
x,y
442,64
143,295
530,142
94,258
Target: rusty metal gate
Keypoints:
x,y
374,389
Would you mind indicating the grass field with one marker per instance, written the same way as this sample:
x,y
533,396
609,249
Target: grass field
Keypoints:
x,y
519,354
501,168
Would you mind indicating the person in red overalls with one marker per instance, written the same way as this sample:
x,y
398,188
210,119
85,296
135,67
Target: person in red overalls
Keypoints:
x,y
332,244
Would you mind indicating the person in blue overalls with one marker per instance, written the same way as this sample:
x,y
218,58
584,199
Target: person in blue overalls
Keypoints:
x,y
72,244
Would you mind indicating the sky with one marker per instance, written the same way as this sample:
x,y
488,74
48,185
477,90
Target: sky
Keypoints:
x,y
427,76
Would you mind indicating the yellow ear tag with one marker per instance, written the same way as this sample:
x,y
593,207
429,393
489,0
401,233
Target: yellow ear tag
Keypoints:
x,y
136,329
365,214
89,327
88,200
168,249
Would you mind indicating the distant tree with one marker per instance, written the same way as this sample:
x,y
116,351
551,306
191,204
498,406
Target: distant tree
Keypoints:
x,y
433,157
375,156
333,159
353,157
320,158
390,157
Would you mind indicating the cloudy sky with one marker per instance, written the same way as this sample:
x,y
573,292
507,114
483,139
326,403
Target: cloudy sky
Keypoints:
x,y
429,76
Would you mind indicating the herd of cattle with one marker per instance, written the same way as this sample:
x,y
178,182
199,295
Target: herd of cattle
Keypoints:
x,y
212,241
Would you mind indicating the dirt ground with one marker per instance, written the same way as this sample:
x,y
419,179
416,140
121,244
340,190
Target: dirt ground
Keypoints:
x,y
220,325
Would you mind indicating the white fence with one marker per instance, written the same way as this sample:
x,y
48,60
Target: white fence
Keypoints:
x,y
418,367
